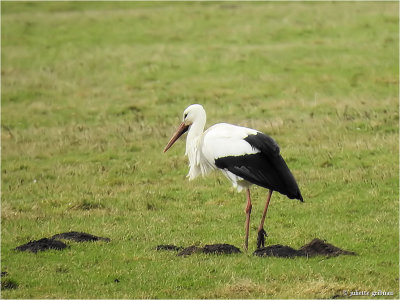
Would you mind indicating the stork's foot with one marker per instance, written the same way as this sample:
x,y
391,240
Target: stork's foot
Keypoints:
x,y
261,238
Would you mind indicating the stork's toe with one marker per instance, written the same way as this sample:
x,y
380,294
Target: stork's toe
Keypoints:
x,y
261,238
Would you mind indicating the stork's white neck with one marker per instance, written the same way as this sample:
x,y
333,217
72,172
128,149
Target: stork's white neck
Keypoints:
x,y
195,132
198,165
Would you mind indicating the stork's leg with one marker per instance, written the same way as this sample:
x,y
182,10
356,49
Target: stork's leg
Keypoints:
x,y
247,224
261,232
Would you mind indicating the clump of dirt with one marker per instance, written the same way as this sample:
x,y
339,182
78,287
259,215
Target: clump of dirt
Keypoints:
x,y
54,243
190,250
79,237
42,245
169,247
220,249
9,284
313,248
320,247
208,249
277,250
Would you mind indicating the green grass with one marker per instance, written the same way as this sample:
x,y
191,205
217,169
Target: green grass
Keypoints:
x,y
91,93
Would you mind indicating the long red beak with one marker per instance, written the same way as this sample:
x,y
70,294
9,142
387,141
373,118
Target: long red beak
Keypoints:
x,y
181,130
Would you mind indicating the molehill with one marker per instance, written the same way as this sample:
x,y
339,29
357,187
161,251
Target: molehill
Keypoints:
x,y
55,243
313,248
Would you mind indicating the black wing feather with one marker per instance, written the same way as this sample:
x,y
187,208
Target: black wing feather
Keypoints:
x,y
266,168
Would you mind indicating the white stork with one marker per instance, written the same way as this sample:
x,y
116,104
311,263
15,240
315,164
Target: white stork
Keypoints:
x,y
245,156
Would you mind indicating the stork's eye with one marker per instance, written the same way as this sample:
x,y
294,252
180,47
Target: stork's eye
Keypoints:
x,y
185,116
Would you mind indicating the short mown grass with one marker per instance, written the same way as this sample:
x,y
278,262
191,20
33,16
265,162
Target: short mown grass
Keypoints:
x,y
91,93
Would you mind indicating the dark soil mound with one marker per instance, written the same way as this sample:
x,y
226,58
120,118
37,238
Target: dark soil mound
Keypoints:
x,y
208,249
8,284
319,247
220,249
313,248
54,243
42,245
278,251
79,237
190,250
168,247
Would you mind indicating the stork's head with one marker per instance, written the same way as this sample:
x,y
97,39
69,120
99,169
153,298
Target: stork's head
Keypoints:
x,y
192,113
195,113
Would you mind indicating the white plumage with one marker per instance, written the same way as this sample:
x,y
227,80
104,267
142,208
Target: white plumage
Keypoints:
x,y
222,140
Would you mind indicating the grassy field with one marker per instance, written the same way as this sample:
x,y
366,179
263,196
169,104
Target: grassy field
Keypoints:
x,y
91,93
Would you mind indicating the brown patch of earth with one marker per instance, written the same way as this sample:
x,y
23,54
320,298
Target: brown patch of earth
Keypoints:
x,y
313,248
208,249
55,243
